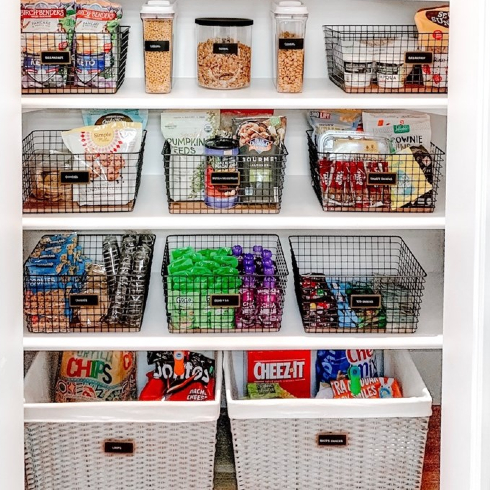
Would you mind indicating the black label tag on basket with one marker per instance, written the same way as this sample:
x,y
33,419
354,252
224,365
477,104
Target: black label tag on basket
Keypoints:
x,y
419,57
365,300
225,178
118,447
55,58
225,48
157,45
382,178
296,43
78,300
74,177
332,439
224,301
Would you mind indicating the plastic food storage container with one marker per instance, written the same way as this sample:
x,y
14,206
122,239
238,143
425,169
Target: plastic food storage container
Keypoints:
x,y
289,28
224,52
158,20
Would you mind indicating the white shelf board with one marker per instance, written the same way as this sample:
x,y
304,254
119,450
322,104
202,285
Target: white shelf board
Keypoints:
x,y
300,210
186,94
154,334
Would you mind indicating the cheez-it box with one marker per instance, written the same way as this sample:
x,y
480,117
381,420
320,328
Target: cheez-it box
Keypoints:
x,y
291,369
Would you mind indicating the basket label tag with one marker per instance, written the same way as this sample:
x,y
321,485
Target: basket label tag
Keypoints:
x,y
382,178
365,300
157,45
118,447
78,300
225,48
55,58
332,439
73,177
224,301
419,57
225,178
290,43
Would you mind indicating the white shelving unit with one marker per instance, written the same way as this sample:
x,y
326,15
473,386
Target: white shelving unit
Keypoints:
x,y
458,224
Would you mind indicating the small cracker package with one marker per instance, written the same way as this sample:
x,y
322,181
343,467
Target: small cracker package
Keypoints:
x,y
94,376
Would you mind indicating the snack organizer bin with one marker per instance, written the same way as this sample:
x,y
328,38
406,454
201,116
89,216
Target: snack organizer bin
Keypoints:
x,y
386,58
364,284
361,187
171,444
58,305
108,55
183,292
283,443
259,183
56,181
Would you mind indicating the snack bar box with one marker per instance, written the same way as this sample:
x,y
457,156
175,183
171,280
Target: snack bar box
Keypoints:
x,y
314,444
122,445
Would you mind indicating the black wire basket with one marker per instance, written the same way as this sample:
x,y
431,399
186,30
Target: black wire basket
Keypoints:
x,y
402,183
202,184
200,299
379,58
90,63
357,284
88,283
57,181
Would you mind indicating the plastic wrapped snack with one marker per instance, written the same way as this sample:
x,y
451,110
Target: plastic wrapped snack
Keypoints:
x,y
265,391
369,388
96,117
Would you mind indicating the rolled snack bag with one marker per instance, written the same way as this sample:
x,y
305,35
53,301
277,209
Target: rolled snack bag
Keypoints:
x,y
257,391
370,388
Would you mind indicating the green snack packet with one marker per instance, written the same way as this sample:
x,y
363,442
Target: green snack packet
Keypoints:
x,y
179,252
184,309
264,391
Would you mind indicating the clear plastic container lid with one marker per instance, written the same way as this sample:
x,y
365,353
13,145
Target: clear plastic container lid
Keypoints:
x,y
158,7
288,7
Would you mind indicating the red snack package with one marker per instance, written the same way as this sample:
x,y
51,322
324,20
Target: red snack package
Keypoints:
x,y
290,369
370,388
358,184
338,184
180,376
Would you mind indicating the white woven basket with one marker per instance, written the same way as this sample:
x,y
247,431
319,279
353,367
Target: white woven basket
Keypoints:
x,y
173,443
276,441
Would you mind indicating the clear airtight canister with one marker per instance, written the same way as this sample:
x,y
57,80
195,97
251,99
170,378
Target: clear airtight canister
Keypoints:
x,y
289,29
158,22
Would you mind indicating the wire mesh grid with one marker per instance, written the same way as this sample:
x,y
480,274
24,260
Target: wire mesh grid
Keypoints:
x,y
54,180
357,284
215,295
87,283
402,183
378,58
59,63
242,184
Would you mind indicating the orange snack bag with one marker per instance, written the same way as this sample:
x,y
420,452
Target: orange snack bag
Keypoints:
x,y
370,388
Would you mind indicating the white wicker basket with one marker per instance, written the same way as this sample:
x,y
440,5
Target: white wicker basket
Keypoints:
x,y
276,441
173,443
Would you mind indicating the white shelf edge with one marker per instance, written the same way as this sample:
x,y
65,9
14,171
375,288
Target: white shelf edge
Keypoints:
x,y
151,212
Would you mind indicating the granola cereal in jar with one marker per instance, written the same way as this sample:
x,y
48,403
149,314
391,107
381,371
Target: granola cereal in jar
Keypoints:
x,y
224,52
158,20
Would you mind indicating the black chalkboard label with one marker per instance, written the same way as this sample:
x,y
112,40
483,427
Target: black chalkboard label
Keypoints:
x,y
118,447
291,43
157,46
225,178
224,301
55,58
225,48
419,57
381,178
332,440
77,300
72,177
365,301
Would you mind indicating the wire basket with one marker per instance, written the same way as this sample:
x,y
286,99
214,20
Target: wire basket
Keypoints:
x,y
242,184
402,183
378,58
54,180
87,283
203,302
90,63
357,284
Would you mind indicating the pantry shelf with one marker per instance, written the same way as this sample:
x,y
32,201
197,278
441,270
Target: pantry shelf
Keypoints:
x,y
186,94
155,335
300,210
